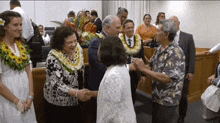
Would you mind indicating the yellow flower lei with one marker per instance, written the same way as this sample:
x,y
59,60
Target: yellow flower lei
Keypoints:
x,y
131,50
69,65
13,61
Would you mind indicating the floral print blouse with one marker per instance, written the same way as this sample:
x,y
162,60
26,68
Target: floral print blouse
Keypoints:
x,y
59,81
170,61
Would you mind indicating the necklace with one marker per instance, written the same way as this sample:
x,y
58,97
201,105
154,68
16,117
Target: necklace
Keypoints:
x,y
137,44
13,61
68,64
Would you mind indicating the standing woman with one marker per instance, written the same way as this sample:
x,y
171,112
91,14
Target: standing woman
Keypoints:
x,y
64,78
16,83
146,30
114,102
160,17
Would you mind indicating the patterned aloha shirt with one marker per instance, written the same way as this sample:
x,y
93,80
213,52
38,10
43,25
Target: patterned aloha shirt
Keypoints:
x,y
170,61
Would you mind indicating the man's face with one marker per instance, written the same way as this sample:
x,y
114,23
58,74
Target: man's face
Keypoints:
x,y
115,28
176,21
129,29
93,17
160,35
41,29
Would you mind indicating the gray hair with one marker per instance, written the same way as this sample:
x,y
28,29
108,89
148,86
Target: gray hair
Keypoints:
x,y
120,10
169,26
108,21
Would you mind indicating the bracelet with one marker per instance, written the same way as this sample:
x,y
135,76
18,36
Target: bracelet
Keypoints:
x,y
76,93
31,97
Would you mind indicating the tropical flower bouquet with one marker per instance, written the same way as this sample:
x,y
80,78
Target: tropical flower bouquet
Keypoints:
x,y
85,29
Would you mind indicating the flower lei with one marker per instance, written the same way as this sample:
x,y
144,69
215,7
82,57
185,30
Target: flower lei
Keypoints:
x,y
88,36
69,65
131,50
13,61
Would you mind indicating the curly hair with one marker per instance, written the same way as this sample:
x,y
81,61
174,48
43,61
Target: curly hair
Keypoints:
x,y
7,16
112,51
59,36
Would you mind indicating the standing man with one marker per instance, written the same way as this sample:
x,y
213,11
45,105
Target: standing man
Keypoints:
x,y
111,26
134,48
167,69
96,20
27,28
186,42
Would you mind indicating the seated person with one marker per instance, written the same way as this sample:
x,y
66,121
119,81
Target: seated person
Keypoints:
x,y
146,30
45,37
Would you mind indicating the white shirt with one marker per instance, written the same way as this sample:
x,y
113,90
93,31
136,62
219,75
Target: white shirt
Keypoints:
x,y
177,37
114,102
27,28
46,39
215,48
132,40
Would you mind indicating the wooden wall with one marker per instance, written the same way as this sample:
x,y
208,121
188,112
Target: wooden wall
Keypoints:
x,y
205,67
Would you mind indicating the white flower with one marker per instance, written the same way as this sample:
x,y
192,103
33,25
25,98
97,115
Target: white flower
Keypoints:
x,y
2,22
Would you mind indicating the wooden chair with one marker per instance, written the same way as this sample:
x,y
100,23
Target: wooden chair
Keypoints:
x,y
39,77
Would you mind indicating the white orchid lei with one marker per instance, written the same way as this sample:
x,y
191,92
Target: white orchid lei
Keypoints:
x,y
131,50
69,65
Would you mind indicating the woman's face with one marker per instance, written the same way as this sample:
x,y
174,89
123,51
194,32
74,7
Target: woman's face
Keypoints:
x,y
70,44
123,16
14,28
147,20
161,17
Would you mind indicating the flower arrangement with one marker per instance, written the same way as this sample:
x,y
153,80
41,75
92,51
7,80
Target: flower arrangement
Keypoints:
x,y
85,29
13,61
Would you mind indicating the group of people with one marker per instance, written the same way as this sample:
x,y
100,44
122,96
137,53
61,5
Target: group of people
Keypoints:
x,y
116,65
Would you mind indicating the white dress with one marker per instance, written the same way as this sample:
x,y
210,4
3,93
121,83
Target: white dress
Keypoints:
x,y
17,82
114,102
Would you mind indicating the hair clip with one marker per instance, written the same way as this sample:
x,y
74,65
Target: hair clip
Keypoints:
x,y
2,22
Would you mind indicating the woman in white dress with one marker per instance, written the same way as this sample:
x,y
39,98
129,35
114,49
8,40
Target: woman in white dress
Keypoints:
x,y
114,102
16,83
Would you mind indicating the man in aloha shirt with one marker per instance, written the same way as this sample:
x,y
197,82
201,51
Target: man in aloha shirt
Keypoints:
x,y
168,70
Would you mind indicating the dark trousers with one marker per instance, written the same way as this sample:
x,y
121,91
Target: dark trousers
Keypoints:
x,y
214,120
62,114
184,100
134,83
164,114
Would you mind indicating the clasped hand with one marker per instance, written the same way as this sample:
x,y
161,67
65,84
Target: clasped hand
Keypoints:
x,y
24,106
85,94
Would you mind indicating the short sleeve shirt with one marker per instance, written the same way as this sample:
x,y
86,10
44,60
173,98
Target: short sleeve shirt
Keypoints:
x,y
170,61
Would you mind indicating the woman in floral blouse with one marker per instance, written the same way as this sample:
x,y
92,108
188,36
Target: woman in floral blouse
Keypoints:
x,y
64,79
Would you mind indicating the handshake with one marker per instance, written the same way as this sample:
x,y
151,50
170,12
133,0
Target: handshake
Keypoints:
x,y
83,94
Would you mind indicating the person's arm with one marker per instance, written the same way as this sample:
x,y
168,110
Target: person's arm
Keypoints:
x,y
192,58
29,99
210,79
93,56
215,48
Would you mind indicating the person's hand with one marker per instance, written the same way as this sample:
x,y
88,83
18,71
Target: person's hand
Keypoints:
x,y
139,63
84,95
27,104
190,76
207,52
142,80
20,106
147,41
210,79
